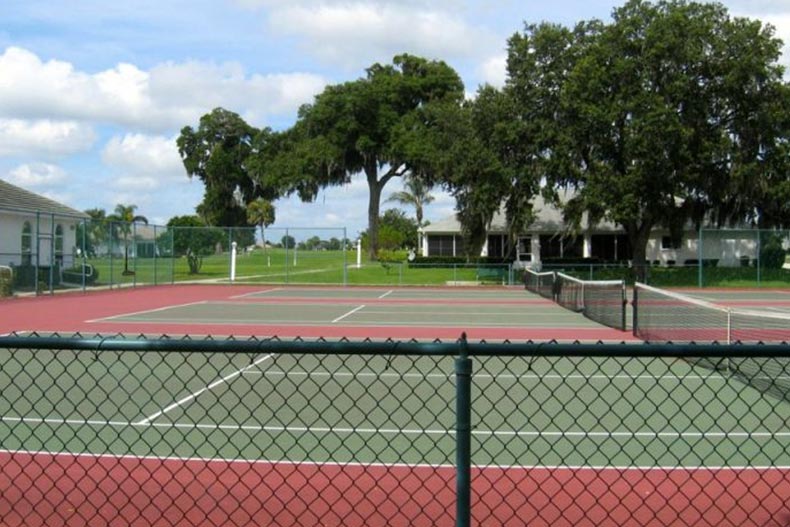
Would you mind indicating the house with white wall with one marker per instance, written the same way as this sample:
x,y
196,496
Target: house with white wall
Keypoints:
x,y
547,238
35,230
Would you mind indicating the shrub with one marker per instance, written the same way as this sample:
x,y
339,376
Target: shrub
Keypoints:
x,y
772,255
392,256
6,281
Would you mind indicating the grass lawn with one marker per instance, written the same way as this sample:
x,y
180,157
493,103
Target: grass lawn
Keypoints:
x,y
278,266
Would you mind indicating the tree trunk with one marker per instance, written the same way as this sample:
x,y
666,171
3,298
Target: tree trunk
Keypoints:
x,y
373,214
638,236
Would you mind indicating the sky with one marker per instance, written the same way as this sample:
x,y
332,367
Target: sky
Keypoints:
x,y
93,94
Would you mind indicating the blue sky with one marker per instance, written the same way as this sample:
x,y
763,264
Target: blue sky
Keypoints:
x,y
93,95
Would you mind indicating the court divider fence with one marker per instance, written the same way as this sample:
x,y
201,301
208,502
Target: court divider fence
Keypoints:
x,y
184,431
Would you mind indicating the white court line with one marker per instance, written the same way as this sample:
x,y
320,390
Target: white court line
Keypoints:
x,y
776,309
146,311
214,384
358,464
20,332
413,431
387,293
264,291
341,317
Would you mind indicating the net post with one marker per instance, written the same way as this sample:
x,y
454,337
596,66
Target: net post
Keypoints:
x,y
634,309
729,326
463,433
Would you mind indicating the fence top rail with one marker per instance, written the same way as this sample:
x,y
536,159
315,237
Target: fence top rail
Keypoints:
x,y
393,348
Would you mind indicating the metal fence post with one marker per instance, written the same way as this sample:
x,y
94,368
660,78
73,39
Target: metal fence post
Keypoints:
x,y
463,434
134,246
52,257
83,245
38,252
156,250
173,255
699,258
759,250
110,241
345,259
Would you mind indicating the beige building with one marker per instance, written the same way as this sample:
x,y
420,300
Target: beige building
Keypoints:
x,y
546,239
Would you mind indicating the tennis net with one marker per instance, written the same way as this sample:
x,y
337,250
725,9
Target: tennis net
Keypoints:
x,y
666,316
539,283
602,301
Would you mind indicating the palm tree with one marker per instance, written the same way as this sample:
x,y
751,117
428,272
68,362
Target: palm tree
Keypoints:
x,y
415,193
125,217
261,212
93,234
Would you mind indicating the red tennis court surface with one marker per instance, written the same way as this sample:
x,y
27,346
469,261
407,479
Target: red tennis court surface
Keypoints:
x,y
116,491
308,312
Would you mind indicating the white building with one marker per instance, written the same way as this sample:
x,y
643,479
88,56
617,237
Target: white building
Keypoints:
x,y
35,230
605,241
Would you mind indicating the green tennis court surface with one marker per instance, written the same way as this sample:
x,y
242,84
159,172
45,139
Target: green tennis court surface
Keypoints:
x,y
292,438
563,412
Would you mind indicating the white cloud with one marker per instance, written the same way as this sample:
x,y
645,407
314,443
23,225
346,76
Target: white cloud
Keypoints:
x,y
45,138
36,175
168,96
759,6
144,155
354,33
376,3
494,70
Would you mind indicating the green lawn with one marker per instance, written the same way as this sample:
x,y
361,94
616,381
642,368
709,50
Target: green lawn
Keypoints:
x,y
278,266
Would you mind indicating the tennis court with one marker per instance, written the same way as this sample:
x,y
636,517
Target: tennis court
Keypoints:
x,y
377,313
338,438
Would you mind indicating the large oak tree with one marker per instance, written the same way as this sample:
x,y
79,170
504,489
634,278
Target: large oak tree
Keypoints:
x,y
367,126
670,113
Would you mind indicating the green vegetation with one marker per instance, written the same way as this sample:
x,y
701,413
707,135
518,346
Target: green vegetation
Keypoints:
x,y
6,282
671,113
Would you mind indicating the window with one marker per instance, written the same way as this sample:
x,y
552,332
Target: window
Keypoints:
x,y
610,247
668,243
496,245
524,249
553,246
59,244
27,244
440,245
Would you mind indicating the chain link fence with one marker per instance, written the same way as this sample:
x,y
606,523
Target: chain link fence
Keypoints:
x,y
181,431
49,252
708,258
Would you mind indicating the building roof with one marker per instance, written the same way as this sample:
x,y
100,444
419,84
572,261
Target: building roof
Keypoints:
x,y
548,219
18,199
